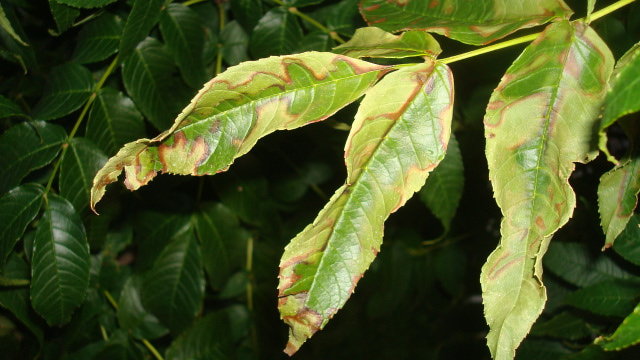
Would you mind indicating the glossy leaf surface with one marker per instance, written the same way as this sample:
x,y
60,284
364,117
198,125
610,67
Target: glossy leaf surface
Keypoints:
x,y
235,109
173,289
477,23
627,334
375,42
113,121
535,131
81,161
144,15
60,270
99,39
184,35
26,147
277,33
18,208
392,147
68,87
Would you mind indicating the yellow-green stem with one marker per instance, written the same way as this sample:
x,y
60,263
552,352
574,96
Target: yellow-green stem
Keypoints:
x,y
81,117
191,2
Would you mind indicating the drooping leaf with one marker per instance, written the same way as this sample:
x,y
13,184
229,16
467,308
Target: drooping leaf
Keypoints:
x,y
618,196
235,109
16,299
113,121
133,317
63,15
535,131
211,337
80,163
68,87
60,264
18,208
86,4
173,289
610,298
476,23
278,32
143,16
147,76
576,264
628,243
627,334
184,35
98,39
223,243
6,25
621,97
375,42
399,135
8,108
26,147
443,189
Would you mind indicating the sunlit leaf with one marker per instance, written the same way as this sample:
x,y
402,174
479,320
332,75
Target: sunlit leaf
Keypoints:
x,y
443,189
627,334
113,121
26,147
628,243
399,135
147,76
535,132
621,98
235,109
375,42
60,264
18,208
68,87
476,23
143,16
611,298
183,33
80,163
278,32
173,289
133,317
98,39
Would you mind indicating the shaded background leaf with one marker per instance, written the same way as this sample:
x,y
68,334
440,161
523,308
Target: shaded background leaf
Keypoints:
x,y
80,162
60,264
18,208
133,317
277,33
143,16
611,298
26,147
98,39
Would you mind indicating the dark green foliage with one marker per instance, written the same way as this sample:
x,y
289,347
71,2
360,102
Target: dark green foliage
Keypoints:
x,y
188,266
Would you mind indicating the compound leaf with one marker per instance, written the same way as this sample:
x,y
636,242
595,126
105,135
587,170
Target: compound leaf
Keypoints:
x,y
375,42
539,121
246,102
477,23
399,135
60,265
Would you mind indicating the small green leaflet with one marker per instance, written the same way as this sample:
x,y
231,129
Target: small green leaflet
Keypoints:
x,y
399,135
246,102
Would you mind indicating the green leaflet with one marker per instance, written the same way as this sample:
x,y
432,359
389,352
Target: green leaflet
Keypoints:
x,y
535,131
476,23
60,264
375,42
399,135
5,24
627,334
18,208
246,102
